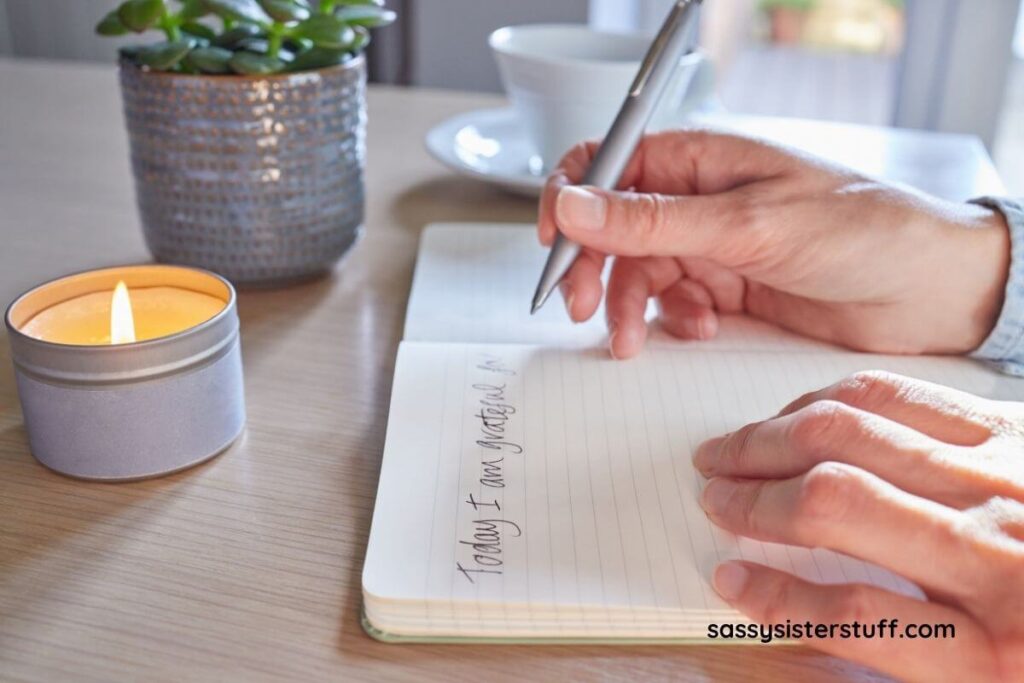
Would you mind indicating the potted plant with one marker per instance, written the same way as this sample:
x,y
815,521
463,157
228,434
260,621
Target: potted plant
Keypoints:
x,y
247,130
787,19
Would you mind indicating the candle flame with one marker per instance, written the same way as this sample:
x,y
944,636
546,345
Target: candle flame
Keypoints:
x,y
122,324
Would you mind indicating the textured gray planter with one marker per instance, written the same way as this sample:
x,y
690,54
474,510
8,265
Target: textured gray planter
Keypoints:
x,y
258,178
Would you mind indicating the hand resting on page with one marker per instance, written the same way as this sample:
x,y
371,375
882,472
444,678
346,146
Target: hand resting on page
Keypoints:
x,y
921,479
918,478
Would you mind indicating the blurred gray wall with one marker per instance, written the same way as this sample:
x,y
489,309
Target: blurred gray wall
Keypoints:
x,y
448,38
58,29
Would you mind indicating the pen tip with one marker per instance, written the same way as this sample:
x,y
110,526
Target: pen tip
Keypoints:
x,y
538,300
540,297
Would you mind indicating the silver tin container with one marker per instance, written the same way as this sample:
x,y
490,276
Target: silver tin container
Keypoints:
x,y
129,411
258,178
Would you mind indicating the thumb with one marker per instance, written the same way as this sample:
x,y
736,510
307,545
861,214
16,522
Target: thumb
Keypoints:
x,y
642,224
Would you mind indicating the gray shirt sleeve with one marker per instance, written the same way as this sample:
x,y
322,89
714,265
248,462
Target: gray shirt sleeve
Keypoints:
x,y
1005,346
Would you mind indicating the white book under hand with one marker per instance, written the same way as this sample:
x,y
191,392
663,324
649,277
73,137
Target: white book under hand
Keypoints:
x,y
533,488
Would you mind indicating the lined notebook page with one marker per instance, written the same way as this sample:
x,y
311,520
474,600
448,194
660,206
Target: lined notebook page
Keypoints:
x,y
474,282
576,483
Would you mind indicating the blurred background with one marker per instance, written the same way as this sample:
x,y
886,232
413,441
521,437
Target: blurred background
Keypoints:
x,y
944,65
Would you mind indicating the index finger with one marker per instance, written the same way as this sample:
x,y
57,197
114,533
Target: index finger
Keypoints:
x,y
949,415
848,510
677,162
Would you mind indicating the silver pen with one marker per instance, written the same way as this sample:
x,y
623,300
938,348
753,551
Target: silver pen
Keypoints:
x,y
617,149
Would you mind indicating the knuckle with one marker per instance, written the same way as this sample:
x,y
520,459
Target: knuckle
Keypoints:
x,y
977,538
828,494
1005,422
750,509
853,604
998,516
651,214
869,388
745,219
818,424
737,447
748,214
990,540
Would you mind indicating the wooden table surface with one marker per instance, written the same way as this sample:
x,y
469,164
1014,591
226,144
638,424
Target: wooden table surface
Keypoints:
x,y
247,567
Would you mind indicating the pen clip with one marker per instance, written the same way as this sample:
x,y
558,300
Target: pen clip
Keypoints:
x,y
654,53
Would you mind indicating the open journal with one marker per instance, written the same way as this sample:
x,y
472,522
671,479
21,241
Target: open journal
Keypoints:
x,y
533,488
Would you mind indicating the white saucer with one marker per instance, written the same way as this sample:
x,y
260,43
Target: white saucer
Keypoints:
x,y
490,145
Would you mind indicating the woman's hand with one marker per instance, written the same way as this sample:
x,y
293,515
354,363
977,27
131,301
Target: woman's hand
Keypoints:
x,y
918,478
717,223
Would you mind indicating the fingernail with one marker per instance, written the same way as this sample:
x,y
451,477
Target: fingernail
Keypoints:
x,y
705,457
580,208
730,580
716,496
613,329
629,337
567,295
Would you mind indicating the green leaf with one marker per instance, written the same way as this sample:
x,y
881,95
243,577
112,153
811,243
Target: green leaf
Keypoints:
x,y
234,37
258,45
139,15
210,60
262,47
298,44
365,15
285,11
198,30
318,58
162,56
111,25
362,39
239,10
376,3
326,31
250,63
193,9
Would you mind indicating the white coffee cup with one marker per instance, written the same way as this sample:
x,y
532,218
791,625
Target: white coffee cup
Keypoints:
x,y
567,82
